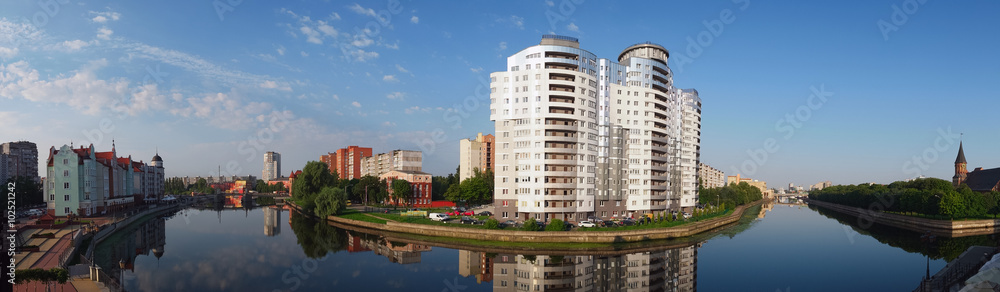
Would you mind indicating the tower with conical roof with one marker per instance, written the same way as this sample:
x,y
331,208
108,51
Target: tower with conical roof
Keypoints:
x,y
961,172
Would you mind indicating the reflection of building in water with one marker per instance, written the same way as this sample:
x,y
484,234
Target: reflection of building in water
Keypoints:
x,y
398,252
478,264
766,207
272,216
148,238
670,270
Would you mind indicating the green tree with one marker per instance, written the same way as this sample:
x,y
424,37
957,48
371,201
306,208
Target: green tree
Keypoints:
x,y
992,203
491,224
530,225
314,177
556,225
330,201
952,204
368,185
402,192
476,189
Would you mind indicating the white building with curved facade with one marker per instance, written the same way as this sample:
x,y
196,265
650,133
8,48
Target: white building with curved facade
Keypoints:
x,y
578,136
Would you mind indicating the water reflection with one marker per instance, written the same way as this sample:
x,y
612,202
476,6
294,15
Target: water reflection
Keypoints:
x,y
946,248
272,215
123,248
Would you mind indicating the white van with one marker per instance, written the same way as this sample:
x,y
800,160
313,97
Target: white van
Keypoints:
x,y
438,216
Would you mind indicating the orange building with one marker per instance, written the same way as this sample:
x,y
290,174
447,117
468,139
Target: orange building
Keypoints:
x,y
346,161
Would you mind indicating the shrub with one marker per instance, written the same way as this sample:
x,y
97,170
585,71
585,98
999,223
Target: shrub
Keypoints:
x,y
556,225
530,225
491,224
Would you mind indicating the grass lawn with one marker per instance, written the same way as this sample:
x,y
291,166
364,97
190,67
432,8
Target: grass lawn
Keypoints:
x,y
355,215
454,222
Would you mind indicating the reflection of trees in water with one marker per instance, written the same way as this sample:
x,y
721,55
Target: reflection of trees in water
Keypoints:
x,y
316,238
947,248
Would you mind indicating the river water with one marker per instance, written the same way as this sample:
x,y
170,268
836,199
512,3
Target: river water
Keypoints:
x,y
774,248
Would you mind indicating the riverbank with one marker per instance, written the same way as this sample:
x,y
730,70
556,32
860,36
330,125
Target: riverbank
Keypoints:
x,y
598,237
949,228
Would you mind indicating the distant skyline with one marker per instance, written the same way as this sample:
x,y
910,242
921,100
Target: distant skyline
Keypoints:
x,y
208,84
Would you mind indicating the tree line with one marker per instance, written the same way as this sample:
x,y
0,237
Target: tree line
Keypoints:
x,y
926,196
729,195
320,191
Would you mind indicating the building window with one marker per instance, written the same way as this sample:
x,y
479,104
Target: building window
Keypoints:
x,y
66,185
65,197
52,197
65,172
66,210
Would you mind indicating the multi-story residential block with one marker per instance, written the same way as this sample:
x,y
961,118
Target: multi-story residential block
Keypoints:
x,y
762,185
420,186
402,160
84,182
5,167
272,166
578,136
347,162
821,185
711,177
22,159
475,153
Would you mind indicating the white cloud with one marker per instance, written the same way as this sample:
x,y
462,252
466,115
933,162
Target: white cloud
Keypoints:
x,y
503,46
390,78
191,63
476,69
104,33
388,124
304,54
336,97
415,19
401,69
362,55
70,46
573,27
104,16
361,10
269,84
316,31
394,46
8,53
356,104
281,50
514,20
417,109
395,95
550,3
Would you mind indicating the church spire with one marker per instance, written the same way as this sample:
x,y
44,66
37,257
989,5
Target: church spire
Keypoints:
x,y
961,154
961,172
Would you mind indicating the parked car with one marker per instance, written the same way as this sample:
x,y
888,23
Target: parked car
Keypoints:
x,y
485,213
469,220
508,223
628,222
438,216
687,215
587,224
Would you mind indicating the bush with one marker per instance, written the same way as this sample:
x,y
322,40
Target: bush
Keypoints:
x,y
491,224
530,225
556,225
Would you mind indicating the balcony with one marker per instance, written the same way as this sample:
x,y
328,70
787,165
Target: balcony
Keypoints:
x,y
561,98
562,77
562,87
562,55
560,65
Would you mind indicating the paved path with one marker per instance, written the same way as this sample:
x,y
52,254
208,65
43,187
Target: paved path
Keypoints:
x,y
51,257
377,217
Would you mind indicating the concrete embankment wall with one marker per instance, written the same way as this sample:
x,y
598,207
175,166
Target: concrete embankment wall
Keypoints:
x,y
552,236
957,228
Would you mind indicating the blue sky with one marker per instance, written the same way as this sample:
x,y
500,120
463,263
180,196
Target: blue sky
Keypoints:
x,y
215,84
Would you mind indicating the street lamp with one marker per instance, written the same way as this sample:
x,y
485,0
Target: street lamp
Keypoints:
x,y
121,273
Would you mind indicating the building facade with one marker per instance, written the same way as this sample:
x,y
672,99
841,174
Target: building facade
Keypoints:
x,y
711,177
272,166
347,162
5,167
979,180
402,160
578,136
84,182
475,153
22,159
420,186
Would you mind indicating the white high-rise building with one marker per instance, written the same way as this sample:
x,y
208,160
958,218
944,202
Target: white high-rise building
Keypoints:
x,y
578,136
272,166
